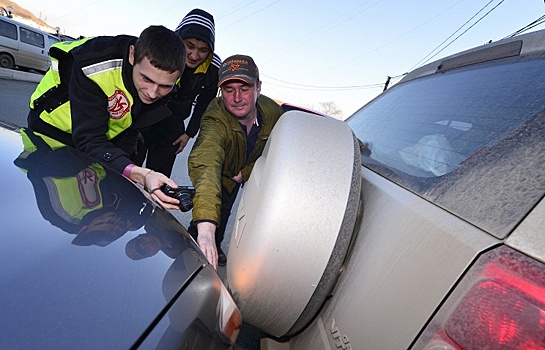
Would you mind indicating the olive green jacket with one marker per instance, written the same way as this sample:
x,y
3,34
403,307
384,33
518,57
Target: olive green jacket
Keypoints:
x,y
219,154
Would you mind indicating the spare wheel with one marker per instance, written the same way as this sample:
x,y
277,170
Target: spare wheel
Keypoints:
x,y
294,222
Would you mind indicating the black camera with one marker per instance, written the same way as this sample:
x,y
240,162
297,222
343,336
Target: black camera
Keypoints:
x,y
184,194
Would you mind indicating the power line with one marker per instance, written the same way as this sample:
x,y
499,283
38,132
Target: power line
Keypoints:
x,y
251,14
295,86
427,58
450,36
535,23
424,60
338,88
328,26
75,10
395,39
235,9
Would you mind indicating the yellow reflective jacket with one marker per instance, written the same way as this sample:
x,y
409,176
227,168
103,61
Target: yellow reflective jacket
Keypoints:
x,y
89,87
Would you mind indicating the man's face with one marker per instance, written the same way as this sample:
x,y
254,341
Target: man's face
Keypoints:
x,y
149,244
109,223
151,83
239,98
197,51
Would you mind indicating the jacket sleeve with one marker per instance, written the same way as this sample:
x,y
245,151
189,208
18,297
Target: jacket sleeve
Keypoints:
x,y
246,171
89,111
203,100
205,165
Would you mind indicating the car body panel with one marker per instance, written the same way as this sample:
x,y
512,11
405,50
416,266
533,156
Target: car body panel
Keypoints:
x,y
185,325
528,237
406,258
73,282
529,44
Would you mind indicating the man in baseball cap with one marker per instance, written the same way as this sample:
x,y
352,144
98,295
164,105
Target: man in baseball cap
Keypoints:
x,y
234,130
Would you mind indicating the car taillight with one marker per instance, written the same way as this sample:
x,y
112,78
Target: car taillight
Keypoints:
x,y
499,305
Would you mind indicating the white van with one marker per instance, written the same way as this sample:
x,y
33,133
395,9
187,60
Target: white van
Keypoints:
x,y
23,46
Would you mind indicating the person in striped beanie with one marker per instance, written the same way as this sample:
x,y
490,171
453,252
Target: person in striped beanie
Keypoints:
x,y
192,94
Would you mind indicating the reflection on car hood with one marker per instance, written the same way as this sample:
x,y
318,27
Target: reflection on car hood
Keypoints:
x,y
83,253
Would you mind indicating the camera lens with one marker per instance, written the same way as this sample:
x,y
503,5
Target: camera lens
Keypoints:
x,y
186,203
183,193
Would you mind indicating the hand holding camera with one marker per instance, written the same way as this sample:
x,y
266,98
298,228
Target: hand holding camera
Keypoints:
x,y
184,194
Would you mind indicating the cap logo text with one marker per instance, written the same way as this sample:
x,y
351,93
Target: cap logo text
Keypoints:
x,y
234,66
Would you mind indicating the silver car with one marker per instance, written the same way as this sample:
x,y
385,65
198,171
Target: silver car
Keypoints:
x,y
419,223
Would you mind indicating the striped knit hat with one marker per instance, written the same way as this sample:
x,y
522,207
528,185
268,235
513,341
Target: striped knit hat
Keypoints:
x,y
198,24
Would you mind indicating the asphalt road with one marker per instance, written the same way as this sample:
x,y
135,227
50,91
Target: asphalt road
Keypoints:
x,y
14,97
15,90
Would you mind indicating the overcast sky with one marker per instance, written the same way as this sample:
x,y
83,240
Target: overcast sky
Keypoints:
x,y
314,51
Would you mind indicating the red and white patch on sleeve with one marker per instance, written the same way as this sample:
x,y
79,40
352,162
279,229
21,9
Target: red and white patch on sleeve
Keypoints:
x,y
118,105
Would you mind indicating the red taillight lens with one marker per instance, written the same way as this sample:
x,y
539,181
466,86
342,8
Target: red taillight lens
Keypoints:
x,y
482,320
499,305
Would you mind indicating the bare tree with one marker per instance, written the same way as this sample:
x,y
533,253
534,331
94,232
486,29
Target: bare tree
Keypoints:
x,y
329,107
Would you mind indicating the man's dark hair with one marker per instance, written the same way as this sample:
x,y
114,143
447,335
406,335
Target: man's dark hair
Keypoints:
x,y
162,47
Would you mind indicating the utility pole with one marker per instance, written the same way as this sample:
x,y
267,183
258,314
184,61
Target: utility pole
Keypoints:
x,y
387,83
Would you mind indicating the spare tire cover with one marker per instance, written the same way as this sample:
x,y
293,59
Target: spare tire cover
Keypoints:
x,y
294,222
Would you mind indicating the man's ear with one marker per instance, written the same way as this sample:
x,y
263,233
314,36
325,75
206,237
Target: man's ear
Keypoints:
x,y
131,55
259,88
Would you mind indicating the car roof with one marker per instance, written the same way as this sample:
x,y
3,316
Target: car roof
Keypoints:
x,y
519,45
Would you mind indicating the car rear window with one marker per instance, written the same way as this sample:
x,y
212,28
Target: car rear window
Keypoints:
x,y
471,140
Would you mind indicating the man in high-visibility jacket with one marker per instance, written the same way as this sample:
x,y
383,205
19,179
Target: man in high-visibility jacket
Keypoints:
x,y
99,92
